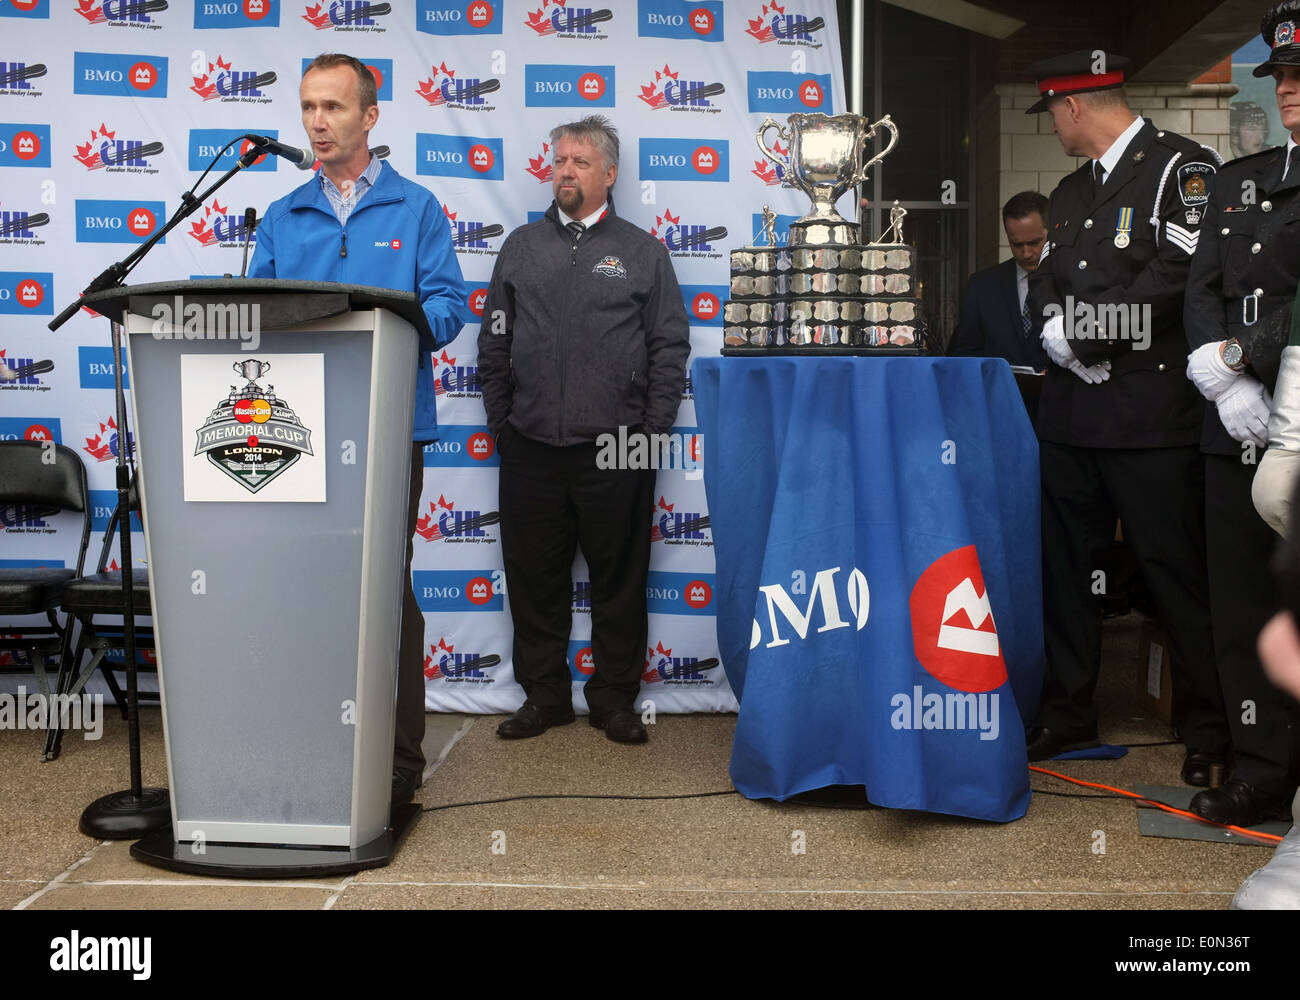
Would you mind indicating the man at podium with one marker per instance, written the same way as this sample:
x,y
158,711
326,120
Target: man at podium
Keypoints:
x,y
358,221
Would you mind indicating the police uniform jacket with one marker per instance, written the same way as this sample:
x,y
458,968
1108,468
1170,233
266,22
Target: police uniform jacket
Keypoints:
x,y
1130,244
1243,279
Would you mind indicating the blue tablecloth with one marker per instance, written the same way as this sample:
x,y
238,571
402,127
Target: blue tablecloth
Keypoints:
x,y
879,590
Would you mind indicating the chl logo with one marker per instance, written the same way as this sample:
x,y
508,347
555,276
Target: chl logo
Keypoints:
x,y
116,11
953,632
345,14
773,24
668,90
553,17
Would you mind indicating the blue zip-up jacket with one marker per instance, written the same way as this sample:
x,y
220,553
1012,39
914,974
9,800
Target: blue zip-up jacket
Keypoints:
x,y
397,237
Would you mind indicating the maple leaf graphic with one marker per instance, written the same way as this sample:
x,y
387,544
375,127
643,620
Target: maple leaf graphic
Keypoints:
x,y
317,19
537,165
88,10
430,93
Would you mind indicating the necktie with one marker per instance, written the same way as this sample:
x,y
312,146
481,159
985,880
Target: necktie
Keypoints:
x,y
1025,321
1096,177
1292,164
577,228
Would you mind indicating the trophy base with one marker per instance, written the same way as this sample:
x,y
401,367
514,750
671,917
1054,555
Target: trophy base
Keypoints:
x,y
823,232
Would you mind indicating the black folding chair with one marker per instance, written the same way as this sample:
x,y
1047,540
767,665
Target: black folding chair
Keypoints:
x,y
39,479
96,595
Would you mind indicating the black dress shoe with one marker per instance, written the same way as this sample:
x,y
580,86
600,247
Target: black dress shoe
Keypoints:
x,y
1239,804
533,720
405,782
621,726
1198,765
1044,743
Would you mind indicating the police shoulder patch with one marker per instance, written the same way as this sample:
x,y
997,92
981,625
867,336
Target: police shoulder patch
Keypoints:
x,y
1193,183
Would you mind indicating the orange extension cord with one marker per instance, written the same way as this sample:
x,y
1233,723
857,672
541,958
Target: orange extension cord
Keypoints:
x,y
1271,838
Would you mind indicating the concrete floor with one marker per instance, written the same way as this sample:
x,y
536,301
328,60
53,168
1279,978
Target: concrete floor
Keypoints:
x,y
721,851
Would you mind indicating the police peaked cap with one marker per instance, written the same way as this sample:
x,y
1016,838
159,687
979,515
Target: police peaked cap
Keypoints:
x,y
1076,73
1279,30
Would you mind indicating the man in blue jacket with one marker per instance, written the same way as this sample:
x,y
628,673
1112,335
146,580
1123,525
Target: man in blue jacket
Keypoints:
x,y
358,222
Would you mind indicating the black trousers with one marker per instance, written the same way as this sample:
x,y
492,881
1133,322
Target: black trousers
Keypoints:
x,y
1243,598
553,500
409,734
1158,493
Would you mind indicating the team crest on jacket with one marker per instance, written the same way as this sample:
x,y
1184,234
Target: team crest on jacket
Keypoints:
x,y
611,266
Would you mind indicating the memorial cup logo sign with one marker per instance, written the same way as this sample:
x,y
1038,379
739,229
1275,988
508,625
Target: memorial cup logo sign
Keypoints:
x,y
251,438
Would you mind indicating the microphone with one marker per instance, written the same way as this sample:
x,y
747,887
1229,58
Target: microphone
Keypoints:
x,y
300,158
250,224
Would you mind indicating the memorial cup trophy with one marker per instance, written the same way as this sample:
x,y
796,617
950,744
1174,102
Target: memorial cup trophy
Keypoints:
x,y
827,290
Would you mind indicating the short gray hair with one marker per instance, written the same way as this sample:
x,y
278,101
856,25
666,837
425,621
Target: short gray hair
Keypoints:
x,y
595,129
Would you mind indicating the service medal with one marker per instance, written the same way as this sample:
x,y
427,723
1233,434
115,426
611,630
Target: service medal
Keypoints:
x,y
1123,227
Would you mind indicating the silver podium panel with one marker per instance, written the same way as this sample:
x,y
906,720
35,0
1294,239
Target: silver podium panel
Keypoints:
x,y
277,618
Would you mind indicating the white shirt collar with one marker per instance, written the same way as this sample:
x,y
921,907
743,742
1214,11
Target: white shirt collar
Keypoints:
x,y
1110,159
588,222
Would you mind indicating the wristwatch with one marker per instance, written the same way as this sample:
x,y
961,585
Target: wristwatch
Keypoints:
x,y
1233,356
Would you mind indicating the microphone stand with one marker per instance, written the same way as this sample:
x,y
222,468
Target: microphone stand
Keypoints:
x,y
130,814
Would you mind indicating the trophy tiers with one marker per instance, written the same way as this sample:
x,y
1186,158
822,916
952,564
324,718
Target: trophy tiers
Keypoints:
x,y
814,298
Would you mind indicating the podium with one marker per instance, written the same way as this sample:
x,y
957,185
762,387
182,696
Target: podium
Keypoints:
x,y
273,432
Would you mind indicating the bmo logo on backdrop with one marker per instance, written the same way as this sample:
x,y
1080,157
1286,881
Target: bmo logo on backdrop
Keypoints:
x,y
458,17
785,93
680,19
24,145
477,157
112,221
685,160
237,14
110,74
26,293
548,86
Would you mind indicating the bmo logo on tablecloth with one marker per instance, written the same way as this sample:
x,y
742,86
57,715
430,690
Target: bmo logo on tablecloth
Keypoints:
x,y
833,592
953,631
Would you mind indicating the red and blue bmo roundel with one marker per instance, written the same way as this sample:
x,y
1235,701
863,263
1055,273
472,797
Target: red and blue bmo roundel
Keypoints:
x,y
555,86
582,664
704,303
464,446
24,145
459,590
111,74
685,159
26,8
680,593
785,93
31,429
953,632
700,20
237,14
26,293
458,17
478,157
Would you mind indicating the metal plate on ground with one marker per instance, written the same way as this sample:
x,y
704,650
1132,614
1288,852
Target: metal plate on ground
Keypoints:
x,y
1154,822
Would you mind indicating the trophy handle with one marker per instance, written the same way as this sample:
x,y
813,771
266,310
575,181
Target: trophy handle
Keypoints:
x,y
781,133
870,133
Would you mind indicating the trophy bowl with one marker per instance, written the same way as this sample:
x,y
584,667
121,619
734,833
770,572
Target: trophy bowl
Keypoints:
x,y
826,158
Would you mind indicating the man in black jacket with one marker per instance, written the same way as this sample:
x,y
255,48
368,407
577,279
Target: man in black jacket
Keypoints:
x,y
584,332
1118,422
1238,315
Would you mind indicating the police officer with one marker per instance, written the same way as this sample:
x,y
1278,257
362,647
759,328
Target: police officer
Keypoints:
x,y
1238,313
1118,422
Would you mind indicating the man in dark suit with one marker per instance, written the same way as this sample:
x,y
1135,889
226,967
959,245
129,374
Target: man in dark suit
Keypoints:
x,y
995,320
1238,316
1118,421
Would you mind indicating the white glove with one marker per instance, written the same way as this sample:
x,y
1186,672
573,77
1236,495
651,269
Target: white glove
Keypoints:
x,y
1244,407
1209,372
1092,374
1055,344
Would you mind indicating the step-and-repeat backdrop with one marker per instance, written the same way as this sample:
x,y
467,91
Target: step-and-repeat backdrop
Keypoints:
x,y
109,109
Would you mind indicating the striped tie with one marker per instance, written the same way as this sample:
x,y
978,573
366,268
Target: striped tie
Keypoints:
x,y
577,228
